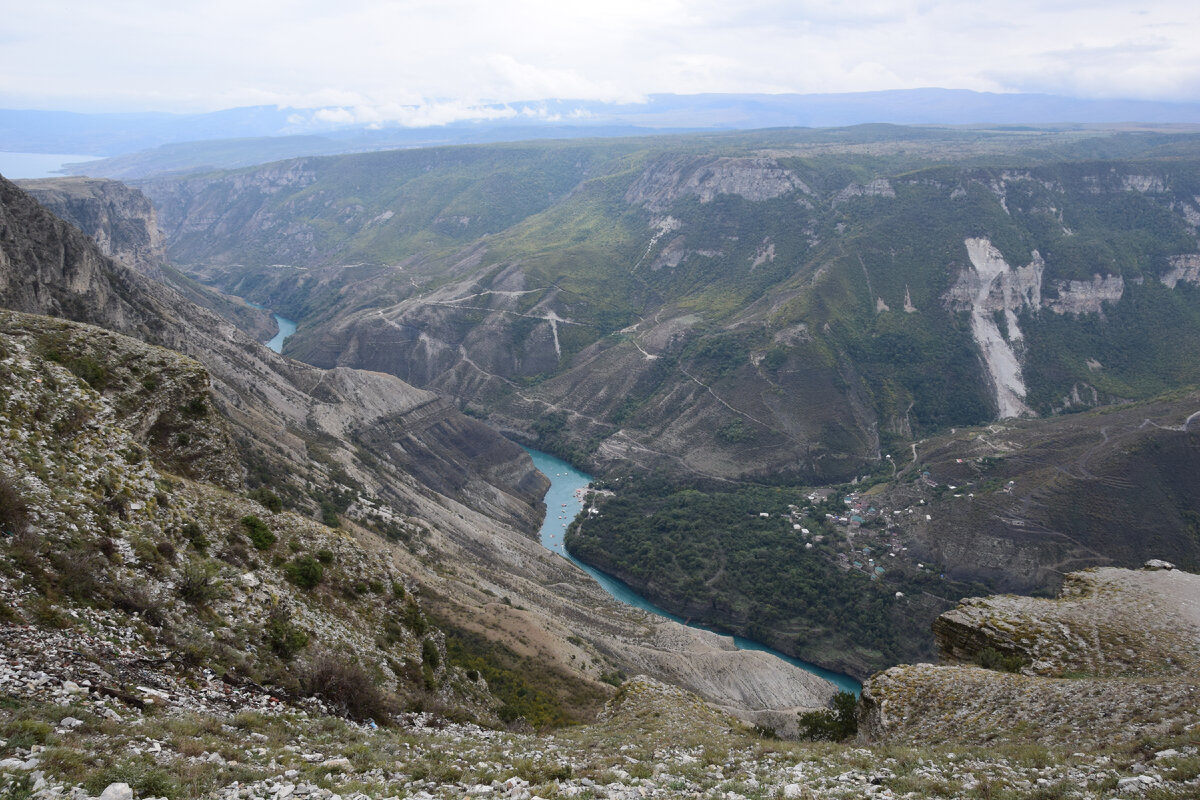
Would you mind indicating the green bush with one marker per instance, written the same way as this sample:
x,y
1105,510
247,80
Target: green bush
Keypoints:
x,y
991,658
284,637
429,653
304,571
260,535
269,499
196,408
413,619
614,678
197,582
831,724
195,536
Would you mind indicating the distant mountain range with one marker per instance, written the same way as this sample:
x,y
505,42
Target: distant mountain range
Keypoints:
x,y
140,144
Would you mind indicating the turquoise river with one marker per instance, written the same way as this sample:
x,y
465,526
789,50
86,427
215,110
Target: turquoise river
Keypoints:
x,y
286,328
564,501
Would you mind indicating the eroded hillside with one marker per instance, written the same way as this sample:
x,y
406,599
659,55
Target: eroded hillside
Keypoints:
x,y
785,303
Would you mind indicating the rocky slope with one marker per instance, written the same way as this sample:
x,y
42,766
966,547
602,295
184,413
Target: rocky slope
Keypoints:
x,y
1019,503
66,738
149,577
1115,657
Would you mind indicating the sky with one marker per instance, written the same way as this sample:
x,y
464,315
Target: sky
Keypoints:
x,y
430,62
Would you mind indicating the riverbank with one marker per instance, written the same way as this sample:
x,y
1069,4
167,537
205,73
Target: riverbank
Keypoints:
x,y
286,328
564,501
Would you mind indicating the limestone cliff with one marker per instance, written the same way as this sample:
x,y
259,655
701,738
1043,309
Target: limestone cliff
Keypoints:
x,y
993,287
672,177
120,220
123,224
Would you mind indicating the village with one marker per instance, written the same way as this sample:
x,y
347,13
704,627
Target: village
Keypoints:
x,y
864,535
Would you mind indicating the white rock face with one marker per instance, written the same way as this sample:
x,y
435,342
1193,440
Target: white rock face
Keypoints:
x,y
1184,268
1087,297
1146,184
879,187
990,286
667,180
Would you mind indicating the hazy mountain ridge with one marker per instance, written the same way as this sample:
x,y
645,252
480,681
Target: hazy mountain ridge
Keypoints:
x,y
159,143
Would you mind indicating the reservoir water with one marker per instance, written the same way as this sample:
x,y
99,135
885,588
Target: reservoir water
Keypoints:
x,y
564,501
18,166
286,328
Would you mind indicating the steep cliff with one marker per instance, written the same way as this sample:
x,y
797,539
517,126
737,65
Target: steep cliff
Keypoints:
x,y
120,220
123,224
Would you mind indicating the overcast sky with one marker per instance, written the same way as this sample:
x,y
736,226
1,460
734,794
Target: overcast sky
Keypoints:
x,y
377,58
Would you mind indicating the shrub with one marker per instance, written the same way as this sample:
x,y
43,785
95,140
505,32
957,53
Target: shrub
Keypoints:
x,y
614,678
429,653
304,571
192,532
413,619
831,724
347,687
197,582
284,638
269,499
991,658
196,408
136,599
77,576
90,370
14,511
260,535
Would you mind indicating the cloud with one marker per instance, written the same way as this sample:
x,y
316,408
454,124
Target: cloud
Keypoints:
x,y
387,61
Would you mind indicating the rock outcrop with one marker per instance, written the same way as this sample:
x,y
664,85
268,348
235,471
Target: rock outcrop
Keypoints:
x,y
123,224
1105,622
989,288
1114,657
672,177
1086,297
119,219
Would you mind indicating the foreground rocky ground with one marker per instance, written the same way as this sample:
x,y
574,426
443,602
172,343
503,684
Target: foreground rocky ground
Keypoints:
x,y
65,740
89,711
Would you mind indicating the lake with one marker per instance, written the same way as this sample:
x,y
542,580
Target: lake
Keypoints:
x,y
564,501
